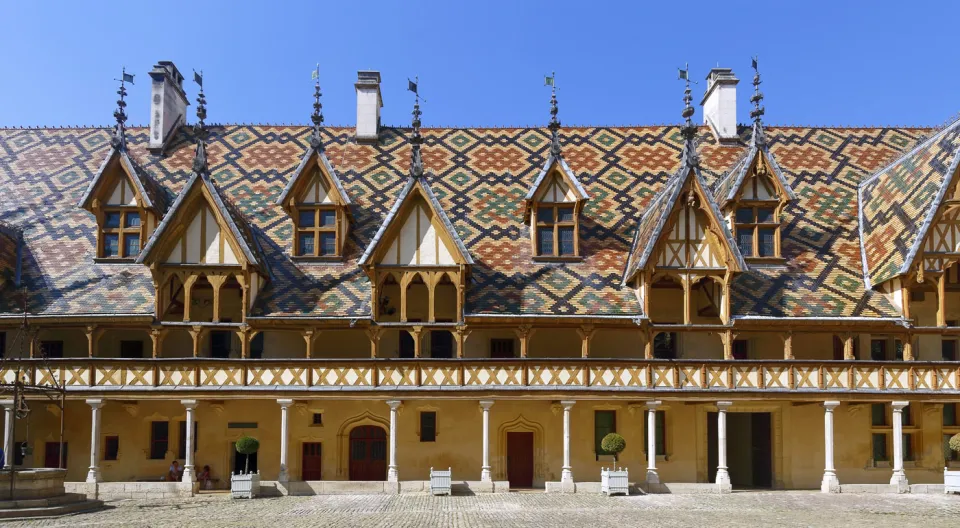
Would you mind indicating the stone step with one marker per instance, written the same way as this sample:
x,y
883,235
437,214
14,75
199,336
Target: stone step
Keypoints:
x,y
66,508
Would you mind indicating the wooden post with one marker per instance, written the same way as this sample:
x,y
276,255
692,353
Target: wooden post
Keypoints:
x,y
187,294
787,345
941,301
308,336
404,282
216,281
727,338
92,338
685,279
908,347
244,334
374,333
196,332
586,335
156,340
525,333
648,343
417,333
848,354
905,297
461,334
431,284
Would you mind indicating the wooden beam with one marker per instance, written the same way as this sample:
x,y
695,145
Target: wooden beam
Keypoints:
x,y
942,300
848,351
196,332
92,338
309,336
461,334
908,347
216,281
374,333
648,343
685,279
787,345
586,335
417,333
156,340
244,334
187,294
525,333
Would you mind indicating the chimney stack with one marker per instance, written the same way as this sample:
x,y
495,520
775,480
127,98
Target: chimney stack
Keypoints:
x,y
168,104
369,104
720,104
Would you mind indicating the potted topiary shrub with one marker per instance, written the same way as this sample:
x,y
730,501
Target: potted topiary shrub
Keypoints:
x,y
246,485
951,479
615,480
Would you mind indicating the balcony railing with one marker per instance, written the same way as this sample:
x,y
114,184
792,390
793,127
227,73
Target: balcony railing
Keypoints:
x,y
530,374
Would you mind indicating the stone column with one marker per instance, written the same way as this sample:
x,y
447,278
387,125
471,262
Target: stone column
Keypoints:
x,y
723,476
189,472
392,475
93,475
566,474
8,419
485,469
284,434
830,483
652,476
899,478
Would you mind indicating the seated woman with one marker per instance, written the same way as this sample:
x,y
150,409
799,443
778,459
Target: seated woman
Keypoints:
x,y
175,473
204,478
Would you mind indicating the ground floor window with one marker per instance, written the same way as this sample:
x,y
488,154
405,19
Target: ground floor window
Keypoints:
x,y
111,448
182,444
604,423
428,426
159,440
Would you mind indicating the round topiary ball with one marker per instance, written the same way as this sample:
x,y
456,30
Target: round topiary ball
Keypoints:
x,y
613,443
247,445
954,443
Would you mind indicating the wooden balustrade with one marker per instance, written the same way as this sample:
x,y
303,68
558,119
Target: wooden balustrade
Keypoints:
x,y
581,374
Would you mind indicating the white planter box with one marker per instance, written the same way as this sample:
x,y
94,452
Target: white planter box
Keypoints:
x,y
440,481
614,481
951,481
245,485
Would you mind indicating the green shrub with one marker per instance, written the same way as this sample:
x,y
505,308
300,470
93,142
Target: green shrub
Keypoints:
x,y
614,444
955,443
247,446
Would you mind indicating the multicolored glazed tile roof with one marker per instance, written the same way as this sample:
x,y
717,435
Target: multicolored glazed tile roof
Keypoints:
x,y
480,178
899,203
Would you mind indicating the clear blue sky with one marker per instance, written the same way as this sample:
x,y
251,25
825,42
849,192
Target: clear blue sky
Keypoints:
x,y
482,63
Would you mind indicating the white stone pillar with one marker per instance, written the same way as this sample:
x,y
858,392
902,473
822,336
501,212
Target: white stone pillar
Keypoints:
x,y
723,476
485,469
392,475
652,476
93,475
899,478
285,404
7,433
566,473
189,472
830,483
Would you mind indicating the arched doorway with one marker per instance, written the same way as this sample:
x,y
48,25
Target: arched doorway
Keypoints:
x,y
368,453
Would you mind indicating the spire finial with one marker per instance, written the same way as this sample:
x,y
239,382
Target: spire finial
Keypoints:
x,y
416,162
689,130
317,117
757,98
200,157
119,140
554,125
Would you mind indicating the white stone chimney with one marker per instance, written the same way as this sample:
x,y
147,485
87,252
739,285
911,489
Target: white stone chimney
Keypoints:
x,y
168,104
369,104
720,104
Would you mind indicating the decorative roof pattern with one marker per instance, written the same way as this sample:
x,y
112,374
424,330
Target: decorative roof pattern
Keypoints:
x,y
726,189
899,201
479,177
153,196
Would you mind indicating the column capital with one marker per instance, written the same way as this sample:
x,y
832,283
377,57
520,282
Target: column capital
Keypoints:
x,y
567,404
96,403
653,404
486,404
189,404
831,405
898,406
285,402
394,404
6,404
724,405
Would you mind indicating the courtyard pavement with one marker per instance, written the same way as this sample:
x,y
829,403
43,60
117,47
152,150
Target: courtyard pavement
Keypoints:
x,y
782,508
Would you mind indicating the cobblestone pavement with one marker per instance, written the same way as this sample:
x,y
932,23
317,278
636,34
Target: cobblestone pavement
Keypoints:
x,y
783,508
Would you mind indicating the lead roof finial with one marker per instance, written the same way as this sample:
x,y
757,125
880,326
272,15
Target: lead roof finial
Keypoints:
x,y
554,125
689,130
757,98
416,162
200,157
317,118
119,140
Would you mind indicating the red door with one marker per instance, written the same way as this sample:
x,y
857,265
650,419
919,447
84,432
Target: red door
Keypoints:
x,y
311,463
368,453
520,460
51,455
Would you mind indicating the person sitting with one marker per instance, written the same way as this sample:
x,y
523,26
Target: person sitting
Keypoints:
x,y
175,472
205,479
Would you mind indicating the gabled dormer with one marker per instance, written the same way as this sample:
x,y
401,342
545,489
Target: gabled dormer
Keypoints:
x,y
684,257
316,200
125,201
417,263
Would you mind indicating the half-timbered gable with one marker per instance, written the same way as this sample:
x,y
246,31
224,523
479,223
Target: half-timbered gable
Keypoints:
x,y
553,206
319,207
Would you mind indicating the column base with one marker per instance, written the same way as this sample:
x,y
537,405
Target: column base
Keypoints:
x,y
830,483
723,481
189,474
566,476
653,477
485,474
392,475
93,476
899,479
283,476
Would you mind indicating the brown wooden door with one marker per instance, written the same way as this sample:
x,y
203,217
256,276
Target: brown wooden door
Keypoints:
x,y
51,455
368,453
520,460
311,463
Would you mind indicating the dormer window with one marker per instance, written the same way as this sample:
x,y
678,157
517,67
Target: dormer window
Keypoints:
x,y
317,231
758,230
319,208
122,233
556,230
